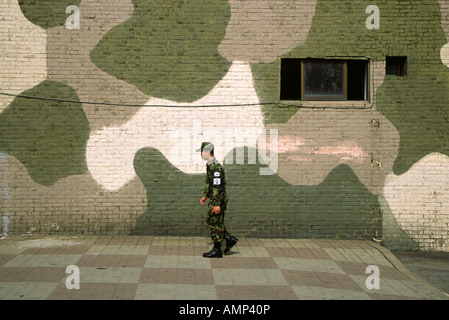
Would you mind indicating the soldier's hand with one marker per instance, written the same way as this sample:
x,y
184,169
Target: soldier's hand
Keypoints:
x,y
203,201
216,210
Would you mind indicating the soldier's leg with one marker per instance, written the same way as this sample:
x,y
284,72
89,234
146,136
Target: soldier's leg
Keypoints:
x,y
219,232
216,227
230,240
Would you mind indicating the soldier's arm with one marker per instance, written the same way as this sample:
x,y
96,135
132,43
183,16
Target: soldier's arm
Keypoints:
x,y
207,189
216,196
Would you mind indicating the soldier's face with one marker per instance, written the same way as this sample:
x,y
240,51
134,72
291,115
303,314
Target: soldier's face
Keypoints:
x,y
205,155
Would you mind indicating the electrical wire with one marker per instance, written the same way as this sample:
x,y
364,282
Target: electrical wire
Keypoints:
x,y
277,104
281,105
126,104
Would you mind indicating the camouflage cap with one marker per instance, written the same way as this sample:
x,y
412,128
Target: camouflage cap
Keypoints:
x,y
206,146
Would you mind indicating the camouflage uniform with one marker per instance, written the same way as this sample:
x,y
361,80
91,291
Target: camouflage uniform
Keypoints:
x,y
215,191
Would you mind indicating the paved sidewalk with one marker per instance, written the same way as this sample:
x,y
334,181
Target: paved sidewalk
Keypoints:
x,y
169,268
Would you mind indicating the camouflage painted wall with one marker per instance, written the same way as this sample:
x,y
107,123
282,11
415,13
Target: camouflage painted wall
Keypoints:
x,y
125,91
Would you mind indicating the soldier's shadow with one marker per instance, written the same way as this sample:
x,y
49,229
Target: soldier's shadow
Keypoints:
x,y
231,253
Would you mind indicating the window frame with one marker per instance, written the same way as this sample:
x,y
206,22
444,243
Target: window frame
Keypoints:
x,y
304,98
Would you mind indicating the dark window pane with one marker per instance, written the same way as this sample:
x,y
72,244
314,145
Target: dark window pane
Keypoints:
x,y
291,79
396,66
357,79
324,79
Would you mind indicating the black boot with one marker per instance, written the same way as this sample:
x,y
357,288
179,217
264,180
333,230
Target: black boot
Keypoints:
x,y
230,242
215,252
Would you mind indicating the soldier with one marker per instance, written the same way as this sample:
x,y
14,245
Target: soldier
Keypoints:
x,y
215,191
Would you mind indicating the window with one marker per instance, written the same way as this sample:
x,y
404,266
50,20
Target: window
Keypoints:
x,y
396,66
324,80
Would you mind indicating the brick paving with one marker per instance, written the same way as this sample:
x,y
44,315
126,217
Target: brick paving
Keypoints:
x,y
172,268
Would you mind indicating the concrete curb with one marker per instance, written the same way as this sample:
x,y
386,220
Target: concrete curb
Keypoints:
x,y
402,268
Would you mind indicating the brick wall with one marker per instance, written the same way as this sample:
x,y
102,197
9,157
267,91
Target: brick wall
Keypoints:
x,y
129,89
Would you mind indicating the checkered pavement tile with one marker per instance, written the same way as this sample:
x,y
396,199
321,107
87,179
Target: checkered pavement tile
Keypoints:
x,y
26,290
175,292
255,292
321,293
138,267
